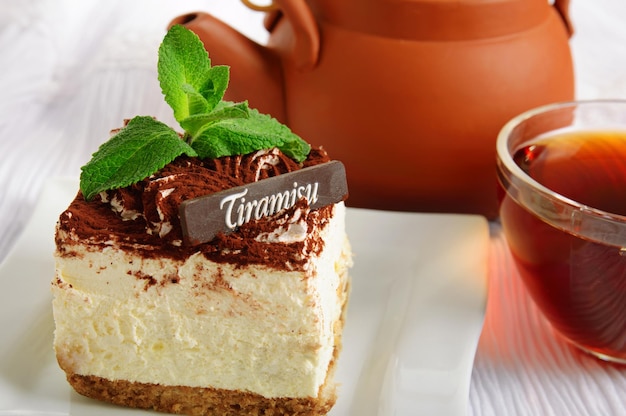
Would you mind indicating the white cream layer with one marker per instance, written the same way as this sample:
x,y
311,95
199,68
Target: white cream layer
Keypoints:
x,y
198,323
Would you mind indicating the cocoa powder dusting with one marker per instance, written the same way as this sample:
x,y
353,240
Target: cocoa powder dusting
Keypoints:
x,y
144,217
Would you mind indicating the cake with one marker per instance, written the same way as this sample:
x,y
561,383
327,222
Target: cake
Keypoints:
x,y
157,307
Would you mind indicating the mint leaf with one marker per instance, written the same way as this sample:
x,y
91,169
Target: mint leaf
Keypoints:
x,y
238,136
296,148
193,124
215,87
196,102
134,153
184,66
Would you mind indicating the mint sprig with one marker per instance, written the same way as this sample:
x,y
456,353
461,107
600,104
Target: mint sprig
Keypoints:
x,y
188,82
212,126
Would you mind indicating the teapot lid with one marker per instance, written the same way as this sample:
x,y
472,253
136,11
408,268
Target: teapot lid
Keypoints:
x,y
440,20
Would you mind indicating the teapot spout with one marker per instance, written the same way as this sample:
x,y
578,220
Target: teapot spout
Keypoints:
x,y
255,70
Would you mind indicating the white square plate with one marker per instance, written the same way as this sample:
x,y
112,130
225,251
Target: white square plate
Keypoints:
x,y
419,289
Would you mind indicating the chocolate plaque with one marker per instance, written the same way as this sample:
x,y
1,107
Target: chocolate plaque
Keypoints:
x,y
203,217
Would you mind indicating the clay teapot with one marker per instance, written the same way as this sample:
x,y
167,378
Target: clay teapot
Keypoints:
x,y
409,94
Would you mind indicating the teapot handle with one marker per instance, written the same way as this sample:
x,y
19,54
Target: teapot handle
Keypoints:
x,y
562,7
306,40
260,7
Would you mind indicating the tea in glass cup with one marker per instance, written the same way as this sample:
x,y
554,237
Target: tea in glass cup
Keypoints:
x,y
562,168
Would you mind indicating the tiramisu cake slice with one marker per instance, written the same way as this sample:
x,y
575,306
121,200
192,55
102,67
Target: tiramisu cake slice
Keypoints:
x,y
212,285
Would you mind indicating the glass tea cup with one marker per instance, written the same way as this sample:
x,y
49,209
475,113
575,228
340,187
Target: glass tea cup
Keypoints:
x,y
562,169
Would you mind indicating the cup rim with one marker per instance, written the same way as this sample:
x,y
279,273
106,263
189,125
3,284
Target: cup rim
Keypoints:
x,y
560,211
